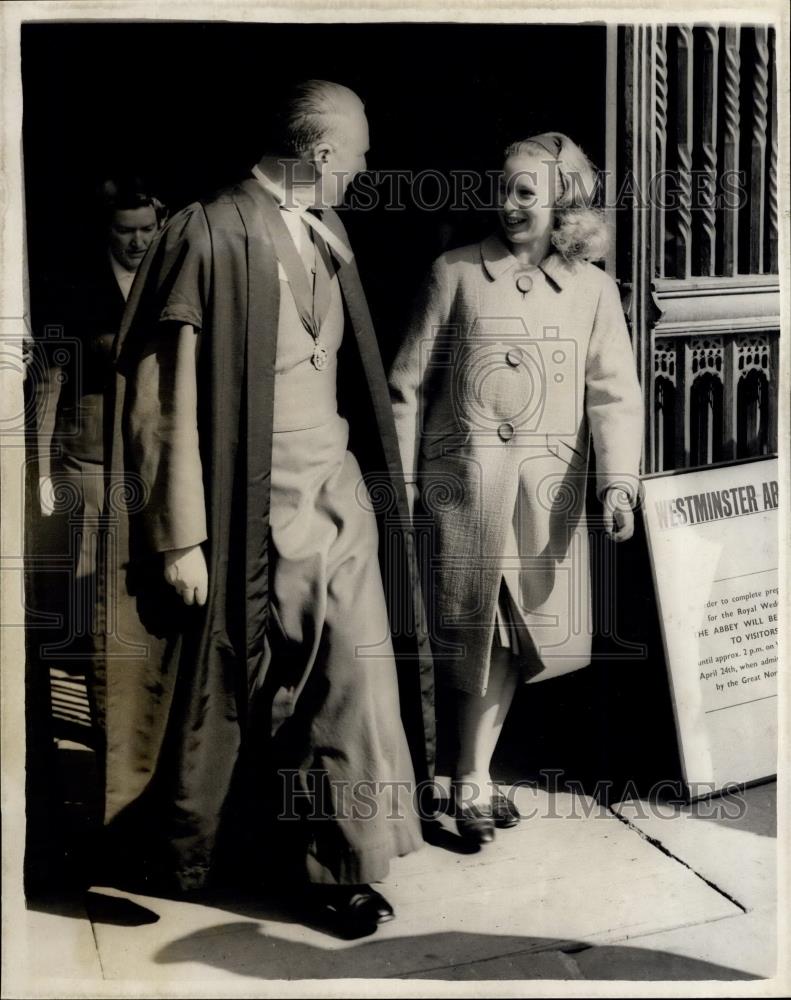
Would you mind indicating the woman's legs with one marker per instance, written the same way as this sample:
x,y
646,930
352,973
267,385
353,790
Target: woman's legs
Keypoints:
x,y
480,721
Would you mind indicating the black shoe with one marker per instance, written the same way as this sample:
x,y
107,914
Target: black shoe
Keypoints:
x,y
504,811
475,824
353,910
373,902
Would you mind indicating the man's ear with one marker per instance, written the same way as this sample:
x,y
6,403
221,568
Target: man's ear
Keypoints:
x,y
322,151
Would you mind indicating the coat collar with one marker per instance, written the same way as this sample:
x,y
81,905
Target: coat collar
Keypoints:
x,y
497,260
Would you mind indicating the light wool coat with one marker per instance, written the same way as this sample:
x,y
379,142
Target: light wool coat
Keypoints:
x,y
496,393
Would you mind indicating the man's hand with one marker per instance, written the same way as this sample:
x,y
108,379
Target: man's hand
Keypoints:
x,y
185,569
46,495
618,514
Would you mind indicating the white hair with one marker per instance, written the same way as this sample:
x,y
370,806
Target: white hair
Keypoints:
x,y
314,110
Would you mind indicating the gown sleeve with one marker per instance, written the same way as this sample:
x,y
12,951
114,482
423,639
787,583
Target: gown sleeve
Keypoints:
x,y
172,284
156,356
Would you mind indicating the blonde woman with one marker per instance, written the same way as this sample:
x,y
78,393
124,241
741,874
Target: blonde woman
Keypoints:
x,y
517,353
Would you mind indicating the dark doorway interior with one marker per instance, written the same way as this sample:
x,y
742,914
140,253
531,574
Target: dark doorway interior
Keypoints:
x,y
186,105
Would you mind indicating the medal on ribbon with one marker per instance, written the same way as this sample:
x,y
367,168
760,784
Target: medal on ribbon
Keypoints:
x,y
320,357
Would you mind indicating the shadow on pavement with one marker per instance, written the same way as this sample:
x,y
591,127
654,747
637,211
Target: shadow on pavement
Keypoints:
x,y
246,949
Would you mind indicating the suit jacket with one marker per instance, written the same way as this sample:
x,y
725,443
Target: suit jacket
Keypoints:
x,y
495,393
190,465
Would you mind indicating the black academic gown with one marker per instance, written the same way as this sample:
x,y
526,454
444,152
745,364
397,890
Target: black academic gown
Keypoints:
x,y
179,678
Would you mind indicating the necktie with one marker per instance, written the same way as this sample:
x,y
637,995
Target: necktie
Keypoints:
x,y
322,277
300,279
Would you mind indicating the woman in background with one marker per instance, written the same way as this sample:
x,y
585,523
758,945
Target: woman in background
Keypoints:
x,y
70,398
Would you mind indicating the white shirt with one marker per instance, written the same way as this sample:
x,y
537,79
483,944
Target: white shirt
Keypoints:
x,y
122,276
293,214
294,218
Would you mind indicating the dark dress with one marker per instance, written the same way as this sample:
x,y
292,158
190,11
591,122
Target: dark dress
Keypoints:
x,y
78,368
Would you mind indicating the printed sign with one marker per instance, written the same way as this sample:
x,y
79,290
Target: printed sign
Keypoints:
x,y
713,541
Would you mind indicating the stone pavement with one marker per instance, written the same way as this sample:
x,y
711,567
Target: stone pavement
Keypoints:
x,y
577,891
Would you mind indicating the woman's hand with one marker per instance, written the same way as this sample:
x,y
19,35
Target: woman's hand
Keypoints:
x,y
185,570
618,514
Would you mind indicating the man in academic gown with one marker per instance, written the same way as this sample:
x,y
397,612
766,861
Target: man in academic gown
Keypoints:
x,y
249,650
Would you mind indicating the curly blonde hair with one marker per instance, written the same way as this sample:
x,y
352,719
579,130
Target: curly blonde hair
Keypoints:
x,y
580,232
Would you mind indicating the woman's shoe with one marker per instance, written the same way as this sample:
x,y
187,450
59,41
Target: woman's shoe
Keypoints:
x,y
475,824
504,811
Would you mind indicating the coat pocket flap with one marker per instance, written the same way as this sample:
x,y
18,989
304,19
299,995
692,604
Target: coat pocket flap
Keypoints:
x,y
442,442
569,453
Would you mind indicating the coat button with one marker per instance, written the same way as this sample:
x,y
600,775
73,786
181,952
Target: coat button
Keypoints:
x,y
524,283
505,431
514,357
